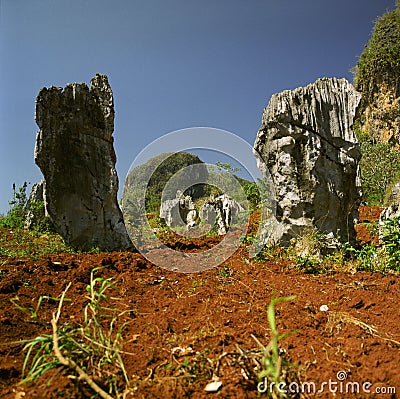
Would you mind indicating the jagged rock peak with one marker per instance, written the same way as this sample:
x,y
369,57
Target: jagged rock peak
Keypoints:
x,y
318,107
310,150
74,150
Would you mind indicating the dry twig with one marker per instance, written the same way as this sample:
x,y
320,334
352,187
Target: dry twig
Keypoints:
x,y
69,362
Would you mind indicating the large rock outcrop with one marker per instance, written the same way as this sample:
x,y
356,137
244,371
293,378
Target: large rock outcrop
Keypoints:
x,y
74,150
307,144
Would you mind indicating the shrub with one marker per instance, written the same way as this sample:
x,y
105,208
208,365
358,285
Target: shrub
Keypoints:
x,y
253,194
21,207
380,60
15,217
391,240
379,170
368,259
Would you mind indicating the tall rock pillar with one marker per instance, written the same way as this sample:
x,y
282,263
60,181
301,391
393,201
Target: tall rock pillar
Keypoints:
x,y
74,150
310,150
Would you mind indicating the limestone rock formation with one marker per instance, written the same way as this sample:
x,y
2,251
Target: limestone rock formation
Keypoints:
x,y
74,150
179,211
36,195
221,211
307,144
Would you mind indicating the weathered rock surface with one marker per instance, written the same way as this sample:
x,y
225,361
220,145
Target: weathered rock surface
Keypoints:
x,y
221,211
380,117
307,144
74,150
179,211
36,195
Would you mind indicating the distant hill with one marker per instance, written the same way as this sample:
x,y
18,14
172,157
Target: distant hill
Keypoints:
x,y
160,169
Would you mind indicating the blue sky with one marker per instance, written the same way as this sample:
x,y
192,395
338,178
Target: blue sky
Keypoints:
x,y
172,64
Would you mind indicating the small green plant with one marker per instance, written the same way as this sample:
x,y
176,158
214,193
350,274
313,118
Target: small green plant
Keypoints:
x,y
22,210
268,366
32,311
309,265
367,257
382,259
272,361
225,271
15,217
247,239
391,240
92,349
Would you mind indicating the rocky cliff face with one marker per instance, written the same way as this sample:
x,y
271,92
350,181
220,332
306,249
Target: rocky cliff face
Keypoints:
x,y
310,150
74,150
380,117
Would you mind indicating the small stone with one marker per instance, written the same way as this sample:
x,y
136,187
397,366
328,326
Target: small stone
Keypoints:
x,y
324,308
213,386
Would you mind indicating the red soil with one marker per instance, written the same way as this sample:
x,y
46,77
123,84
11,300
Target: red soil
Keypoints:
x,y
213,312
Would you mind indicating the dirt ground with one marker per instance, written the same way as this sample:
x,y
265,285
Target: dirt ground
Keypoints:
x,y
184,330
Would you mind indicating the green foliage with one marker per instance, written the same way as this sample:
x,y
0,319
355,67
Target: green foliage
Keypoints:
x,y
39,222
309,265
379,170
272,361
380,259
368,260
222,180
226,167
22,208
95,347
391,240
15,217
253,195
380,60
148,181
23,244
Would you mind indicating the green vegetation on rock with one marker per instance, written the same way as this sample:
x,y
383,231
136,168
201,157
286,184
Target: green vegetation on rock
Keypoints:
x,y
380,61
377,77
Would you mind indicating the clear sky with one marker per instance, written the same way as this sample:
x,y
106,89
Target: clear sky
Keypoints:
x,y
172,64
